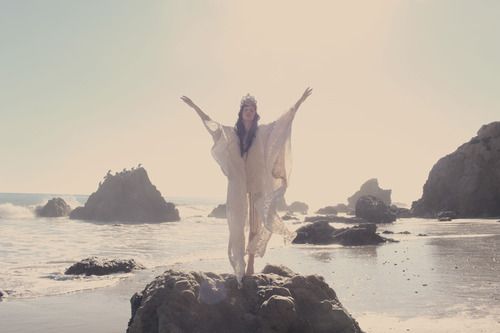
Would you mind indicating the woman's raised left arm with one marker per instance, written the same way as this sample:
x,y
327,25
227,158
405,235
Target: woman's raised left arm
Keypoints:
x,y
306,94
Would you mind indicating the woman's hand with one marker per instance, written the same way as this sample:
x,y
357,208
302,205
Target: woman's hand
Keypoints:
x,y
306,94
189,102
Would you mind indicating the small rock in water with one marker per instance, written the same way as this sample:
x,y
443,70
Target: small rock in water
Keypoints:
x,y
96,266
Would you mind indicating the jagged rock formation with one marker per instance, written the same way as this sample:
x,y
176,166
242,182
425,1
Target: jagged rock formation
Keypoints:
x,y
96,266
276,300
322,232
466,181
370,187
127,196
374,210
219,212
55,207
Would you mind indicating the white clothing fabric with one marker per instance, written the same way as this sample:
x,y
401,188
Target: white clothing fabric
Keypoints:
x,y
264,172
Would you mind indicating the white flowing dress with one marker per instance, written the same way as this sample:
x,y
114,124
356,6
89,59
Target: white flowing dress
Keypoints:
x,y
263,174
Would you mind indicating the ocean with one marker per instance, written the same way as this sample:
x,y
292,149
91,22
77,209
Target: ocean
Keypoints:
x,y
446,281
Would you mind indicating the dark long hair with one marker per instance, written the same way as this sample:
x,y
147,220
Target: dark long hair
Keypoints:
x,y
241,131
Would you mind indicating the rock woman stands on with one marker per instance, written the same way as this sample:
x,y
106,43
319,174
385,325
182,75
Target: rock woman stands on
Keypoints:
x,y
256,159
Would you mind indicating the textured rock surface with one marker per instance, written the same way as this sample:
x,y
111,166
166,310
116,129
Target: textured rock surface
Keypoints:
x,y
276,301
328,210
374,210
127,196
219,212
333,210
96,266
370,187
334,218
323,233
55,207
466,181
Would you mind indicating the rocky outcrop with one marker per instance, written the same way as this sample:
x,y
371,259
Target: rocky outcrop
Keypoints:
x,y
466,181
127,196
328,210
55,207
219,212
276,301
96,266
323,233
334,210
374,210
335,218
370,187
298,207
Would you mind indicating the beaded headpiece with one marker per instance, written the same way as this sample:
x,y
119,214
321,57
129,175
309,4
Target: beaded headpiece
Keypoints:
x,y
248,100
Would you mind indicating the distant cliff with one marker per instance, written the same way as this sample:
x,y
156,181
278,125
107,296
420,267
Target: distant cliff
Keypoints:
x,y
128,196
466,181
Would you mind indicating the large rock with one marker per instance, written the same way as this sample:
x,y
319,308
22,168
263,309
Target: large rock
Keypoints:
x,y
127,196
370,187
466,181
374,210
55,207
277,301
323,233
96,266
219,212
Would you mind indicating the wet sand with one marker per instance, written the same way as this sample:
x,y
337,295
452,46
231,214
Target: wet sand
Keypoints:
x,y
446,281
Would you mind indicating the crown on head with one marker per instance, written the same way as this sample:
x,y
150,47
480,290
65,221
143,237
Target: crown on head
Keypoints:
x,y
248,100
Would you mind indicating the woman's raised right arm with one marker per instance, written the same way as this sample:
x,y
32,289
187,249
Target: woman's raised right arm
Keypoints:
x,y
214,129
189,102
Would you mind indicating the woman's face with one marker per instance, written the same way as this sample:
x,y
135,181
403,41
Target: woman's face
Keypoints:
x,y
248,113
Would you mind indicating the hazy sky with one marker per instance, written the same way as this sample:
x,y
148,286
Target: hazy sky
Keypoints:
x,y
87,86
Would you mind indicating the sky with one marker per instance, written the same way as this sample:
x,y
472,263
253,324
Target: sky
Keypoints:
x,y
88,86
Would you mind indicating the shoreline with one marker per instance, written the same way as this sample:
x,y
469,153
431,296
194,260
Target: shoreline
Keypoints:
x,y
107,310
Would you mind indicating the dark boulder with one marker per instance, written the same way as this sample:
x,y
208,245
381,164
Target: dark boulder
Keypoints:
x,y
374,210
320,232
466,181
334,218
328,210
55,207
96,266
219,212
128,196
267,302
323,233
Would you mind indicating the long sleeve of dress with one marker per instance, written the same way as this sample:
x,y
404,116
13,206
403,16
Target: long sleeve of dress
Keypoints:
x,y
278,158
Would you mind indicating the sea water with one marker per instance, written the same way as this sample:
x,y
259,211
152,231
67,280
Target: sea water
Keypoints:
x,y
447,278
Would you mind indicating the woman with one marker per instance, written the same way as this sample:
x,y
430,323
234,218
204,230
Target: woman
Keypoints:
x,y
256,160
